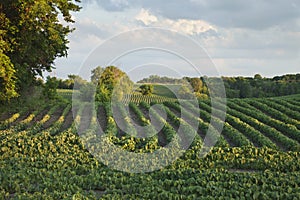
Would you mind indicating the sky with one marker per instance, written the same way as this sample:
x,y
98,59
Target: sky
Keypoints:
x,y
185,38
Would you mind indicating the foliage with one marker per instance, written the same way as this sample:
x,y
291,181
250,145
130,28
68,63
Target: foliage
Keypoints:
x,y
67,94
202,96
196,84
52,163
76,81
33,34
87,92
257,77
166,90
96,74
146,89
270,132
237,87
185,92
7,78
50,87
241,87
161,80
113,83
138,98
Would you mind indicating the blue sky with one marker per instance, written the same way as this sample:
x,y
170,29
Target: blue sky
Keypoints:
x,y
240,37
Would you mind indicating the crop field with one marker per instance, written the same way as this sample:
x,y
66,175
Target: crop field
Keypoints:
x,y
138,98
256,157
166,90
163,90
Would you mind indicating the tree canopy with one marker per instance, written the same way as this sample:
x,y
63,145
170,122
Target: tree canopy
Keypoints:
x,y
96,74
146,89
112,83
32,35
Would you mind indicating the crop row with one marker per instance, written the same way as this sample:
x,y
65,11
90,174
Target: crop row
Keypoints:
x,y
48,163
287,104
286,112
286,129
207,130
256,137
268,131
138,98
277,111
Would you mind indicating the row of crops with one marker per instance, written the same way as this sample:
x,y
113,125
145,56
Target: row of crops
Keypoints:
x,y
256,156
135,97
260,123
138,98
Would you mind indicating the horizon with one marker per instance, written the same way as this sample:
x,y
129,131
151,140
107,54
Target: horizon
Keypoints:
x,y
267,77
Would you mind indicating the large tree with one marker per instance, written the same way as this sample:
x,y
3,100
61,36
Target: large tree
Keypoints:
x,y
96,74
33,34
196,84
112,83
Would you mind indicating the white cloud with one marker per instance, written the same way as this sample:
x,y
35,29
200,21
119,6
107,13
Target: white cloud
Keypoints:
x,y
257,14
190,27
242,39
145,17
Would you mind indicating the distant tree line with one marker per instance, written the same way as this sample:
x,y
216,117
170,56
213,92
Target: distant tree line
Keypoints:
x,y
161,79
106,80
241,87
236,87
69,83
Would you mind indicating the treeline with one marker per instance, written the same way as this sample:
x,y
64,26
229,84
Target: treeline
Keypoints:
x,y
161,79
239,87
70,82
235,87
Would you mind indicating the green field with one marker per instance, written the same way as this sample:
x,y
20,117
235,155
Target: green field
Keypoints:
x,y
165,90
80,128
256,157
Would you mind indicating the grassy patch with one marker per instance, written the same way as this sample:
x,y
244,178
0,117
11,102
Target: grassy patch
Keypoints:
x,y
167,90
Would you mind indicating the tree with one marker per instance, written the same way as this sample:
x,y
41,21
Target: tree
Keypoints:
x,y
50,87
146,89
66,84
196,84
32,36
257,77
185,92
7,71
76,81
7,78
112,83
87,92
245,90
96,74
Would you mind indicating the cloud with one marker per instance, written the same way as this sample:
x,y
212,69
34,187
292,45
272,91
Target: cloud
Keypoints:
x,y
145,17
256,14
242,38
272,43
190,27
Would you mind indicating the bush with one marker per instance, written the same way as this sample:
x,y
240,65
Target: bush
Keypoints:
x,y
146,89
50,88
